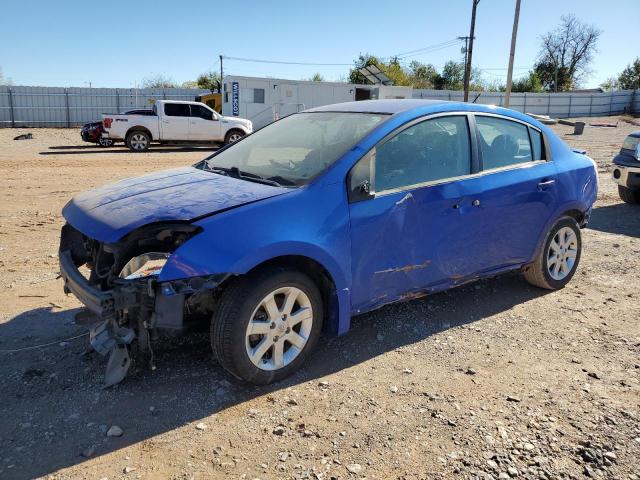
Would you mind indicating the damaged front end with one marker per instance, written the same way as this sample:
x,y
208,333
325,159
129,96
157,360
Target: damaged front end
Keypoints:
x,y
126,304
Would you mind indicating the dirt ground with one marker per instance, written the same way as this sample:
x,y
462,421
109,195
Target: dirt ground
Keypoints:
x,y
492,380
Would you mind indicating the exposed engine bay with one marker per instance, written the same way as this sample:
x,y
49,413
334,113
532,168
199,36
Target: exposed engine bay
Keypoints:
x,y
126,304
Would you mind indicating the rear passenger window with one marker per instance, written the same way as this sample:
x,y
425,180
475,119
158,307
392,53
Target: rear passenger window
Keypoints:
x,y
503,142
176,109
432,150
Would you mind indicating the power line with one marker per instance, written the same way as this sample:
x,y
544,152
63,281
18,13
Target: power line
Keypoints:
x,y
282,62
410,53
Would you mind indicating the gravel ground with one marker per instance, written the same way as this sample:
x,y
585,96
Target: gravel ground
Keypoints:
x,y
491,380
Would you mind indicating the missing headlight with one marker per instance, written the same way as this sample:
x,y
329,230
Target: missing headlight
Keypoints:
x,y
145,265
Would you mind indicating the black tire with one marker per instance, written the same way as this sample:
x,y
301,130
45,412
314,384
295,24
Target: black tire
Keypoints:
x,y
537,273
233,136
231,318
629,195
105,142
138,141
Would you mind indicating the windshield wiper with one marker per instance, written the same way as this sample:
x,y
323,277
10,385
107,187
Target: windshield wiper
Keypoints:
x,y
234,172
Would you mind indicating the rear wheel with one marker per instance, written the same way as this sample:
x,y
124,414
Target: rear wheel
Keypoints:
x,y
629,195
558,260
138,141
266,325
233,136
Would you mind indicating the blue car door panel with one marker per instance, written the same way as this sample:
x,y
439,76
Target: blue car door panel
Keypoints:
x,y
518,194
413,234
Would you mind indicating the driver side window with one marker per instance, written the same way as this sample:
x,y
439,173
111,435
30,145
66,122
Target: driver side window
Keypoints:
x,y
201,112
432,150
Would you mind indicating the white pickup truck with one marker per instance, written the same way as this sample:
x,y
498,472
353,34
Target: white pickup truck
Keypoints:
x,y
175,122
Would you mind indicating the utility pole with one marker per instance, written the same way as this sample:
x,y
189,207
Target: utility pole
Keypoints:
x,y
221,75
466,50
467,68
514,33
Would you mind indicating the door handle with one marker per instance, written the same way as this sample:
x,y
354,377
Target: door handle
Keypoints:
x,y
544,184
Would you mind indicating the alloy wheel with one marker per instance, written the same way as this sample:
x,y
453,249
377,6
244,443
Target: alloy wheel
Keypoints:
x,y
562,253
138,141
234,137
279,328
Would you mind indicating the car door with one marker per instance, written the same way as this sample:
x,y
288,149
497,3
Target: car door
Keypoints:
x,y
411,198
175,122
205,124
518,192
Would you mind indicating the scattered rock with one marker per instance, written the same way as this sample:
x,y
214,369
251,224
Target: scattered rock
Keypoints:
x,y
201,426
279,430
115,431
354,467
511,398
128,469
471,371
88,452
394,389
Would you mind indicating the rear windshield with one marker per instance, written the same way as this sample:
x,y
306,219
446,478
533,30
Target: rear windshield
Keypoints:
x,y
295,149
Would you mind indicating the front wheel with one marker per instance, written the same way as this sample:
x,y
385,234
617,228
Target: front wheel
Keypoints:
x,y
629,195
233,136
266,325
138,141
557,261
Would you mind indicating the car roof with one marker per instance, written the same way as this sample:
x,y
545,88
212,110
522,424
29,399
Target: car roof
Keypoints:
x,y
417,107
379,106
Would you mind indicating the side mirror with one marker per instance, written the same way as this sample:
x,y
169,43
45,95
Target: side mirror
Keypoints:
x,y
638,151
359,179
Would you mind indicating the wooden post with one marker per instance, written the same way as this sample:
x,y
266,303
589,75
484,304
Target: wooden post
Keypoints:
x,y
467,69
514,33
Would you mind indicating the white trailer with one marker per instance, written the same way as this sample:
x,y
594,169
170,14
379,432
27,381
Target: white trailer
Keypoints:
x,y
263,100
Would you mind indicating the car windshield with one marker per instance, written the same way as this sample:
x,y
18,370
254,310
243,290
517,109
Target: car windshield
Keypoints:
x,y
292,151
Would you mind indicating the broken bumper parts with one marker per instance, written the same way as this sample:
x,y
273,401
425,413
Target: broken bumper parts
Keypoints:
x,y
130,309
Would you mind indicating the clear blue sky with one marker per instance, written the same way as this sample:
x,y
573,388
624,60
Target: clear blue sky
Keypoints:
x,y
116,43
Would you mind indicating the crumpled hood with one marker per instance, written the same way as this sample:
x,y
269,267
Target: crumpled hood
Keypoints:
x,y
110,212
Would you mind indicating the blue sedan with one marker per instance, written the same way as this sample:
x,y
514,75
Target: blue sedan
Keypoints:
x,y
323,215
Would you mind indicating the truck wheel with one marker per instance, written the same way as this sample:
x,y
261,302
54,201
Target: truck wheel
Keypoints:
x,y
266,324
558,259
138,141
629,195
233,136
105,142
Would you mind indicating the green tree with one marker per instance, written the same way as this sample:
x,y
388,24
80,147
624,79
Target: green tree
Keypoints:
x,y
158,80
317,77
423,75
4,80
209,80
529,83
566,53
629,78
610,84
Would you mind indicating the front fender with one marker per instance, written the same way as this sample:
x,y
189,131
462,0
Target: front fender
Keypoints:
x,y
312,222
